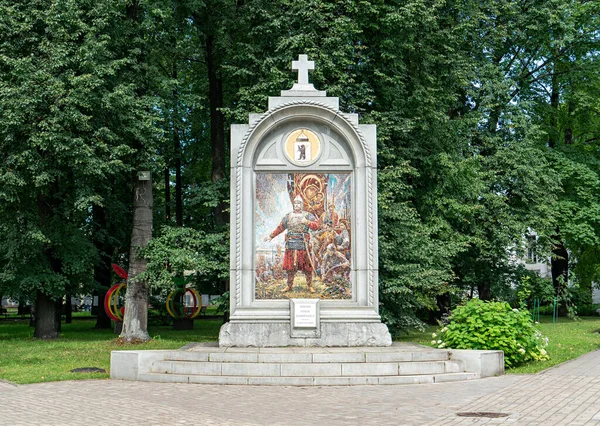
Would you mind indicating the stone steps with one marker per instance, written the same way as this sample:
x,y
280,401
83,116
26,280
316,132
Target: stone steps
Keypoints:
x,y
307,381
303,366
307,366
269,369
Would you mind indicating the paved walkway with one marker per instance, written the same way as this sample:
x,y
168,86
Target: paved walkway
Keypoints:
x,y
566,395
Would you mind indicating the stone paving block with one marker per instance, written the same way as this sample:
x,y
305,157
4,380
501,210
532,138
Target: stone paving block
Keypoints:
x,y
339,357
243,350
432,355
324,369
370,369
251,369
233,357
163,378
278,381
187,356
343,350
285,357
345,381
454,377
198,368
388,356
414,368
164,367
59,403
453,367
405,380
218,380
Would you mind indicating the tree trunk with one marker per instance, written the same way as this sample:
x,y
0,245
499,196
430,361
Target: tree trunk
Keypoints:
x,y
178,184
167,195
47,308
217,122
135,321
102,269
68,307
21,307
484,291
103,321
554,104
47,314
560,256
177,146
560,273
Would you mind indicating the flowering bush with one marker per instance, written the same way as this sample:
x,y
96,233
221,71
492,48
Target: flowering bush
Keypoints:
x,y
493,325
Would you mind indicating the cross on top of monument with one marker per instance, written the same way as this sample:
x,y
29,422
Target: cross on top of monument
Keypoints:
x,y
303,66
303,88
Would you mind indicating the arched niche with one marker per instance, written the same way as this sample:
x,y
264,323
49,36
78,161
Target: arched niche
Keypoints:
x,y
344,150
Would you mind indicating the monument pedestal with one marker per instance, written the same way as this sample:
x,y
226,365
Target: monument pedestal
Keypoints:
x,y
401,363
304,247
278,334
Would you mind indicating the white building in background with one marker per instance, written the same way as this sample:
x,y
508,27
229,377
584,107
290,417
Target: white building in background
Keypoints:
x,y
596,295
542,266
532,261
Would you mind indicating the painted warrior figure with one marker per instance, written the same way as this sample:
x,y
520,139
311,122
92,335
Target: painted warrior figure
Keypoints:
x,y
335,264
330,218
297,254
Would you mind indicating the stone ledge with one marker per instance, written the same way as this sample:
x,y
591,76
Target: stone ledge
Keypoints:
x,y
303,366
308,381
277,334
484,363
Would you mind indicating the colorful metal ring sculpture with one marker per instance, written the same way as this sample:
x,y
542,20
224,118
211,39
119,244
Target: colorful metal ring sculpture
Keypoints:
x,y
177,310
111,300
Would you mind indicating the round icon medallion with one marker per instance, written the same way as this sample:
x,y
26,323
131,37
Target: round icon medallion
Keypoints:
x,y
302,147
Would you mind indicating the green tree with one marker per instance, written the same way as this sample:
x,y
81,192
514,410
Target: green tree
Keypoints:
x,y
66,116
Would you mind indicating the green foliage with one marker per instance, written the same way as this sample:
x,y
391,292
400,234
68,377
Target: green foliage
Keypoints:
x,y
487,118
531,286
493,325
157,311
222,303
72,119
179,250
414,267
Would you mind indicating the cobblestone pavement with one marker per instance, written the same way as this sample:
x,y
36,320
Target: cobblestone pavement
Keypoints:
x,y
566,395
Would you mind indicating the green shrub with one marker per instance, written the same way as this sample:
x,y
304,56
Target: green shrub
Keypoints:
x,y
157,311
588,310
493,325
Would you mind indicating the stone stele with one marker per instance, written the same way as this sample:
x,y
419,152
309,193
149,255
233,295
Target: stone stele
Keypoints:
x,y
334,144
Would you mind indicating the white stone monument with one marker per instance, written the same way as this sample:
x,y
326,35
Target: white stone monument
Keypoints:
x,y
304,260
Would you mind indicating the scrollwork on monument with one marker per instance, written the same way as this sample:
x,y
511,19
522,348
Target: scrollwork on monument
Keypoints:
x,y
370,207
239,179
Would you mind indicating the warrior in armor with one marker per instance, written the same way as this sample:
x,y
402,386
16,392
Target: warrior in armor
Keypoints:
x,y
297,255
330,218
335,264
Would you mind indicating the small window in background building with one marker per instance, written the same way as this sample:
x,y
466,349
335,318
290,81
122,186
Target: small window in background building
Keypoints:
x,y
531,249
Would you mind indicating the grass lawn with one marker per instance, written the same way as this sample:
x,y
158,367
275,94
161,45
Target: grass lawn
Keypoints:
x,y
24,359
27,360
568,339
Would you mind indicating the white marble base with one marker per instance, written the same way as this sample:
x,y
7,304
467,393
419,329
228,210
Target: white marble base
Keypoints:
x,y
278,334
400,363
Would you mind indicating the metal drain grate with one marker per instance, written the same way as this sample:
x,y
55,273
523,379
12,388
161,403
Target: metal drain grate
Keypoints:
x,y
487,414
